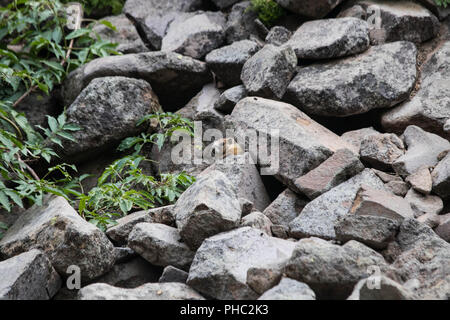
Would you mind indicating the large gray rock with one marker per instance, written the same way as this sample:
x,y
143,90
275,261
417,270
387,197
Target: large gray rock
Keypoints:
x,y
195,34
331,270
125,35
441,177
313,40
268,73
107,111
381,150
208,207
300,137
388,290
227,62
241,22
289,289
398,20
221,264
310,8
149,291
424,149
430,107
381,77
160,245
340,167
28,276
319,217
167,72
67,239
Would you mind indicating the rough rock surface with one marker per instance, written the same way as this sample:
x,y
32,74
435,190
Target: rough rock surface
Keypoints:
x,y
229,98
380,151
220,265
313,40
289,289
172,274
142,8
441,177
65,237
241,22
355,137
443,230
310,8
278,35
381,77
257,220
421,180
424,204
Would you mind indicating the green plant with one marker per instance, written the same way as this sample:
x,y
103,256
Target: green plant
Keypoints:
x,y
442,3
268,11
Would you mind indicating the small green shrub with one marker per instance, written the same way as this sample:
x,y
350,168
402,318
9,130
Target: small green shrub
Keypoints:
x,y
268,11
442,3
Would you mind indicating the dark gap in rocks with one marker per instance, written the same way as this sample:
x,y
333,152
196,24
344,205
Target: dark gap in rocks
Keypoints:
x,y
207,5
273,186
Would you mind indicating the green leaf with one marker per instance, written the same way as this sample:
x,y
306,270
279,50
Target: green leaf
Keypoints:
x,y
108,24
78,33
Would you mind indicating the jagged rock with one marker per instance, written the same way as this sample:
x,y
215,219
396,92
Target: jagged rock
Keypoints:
x,y
131,274
300,137
122,101
443,229
439,11
278,35
424,149
398,20
66,239
220,265
374,231
381,77
160,245
268,72
319,217
331,270
149,291
355,137
229,98
425,257
286,207
244,175
259,221
310,8
28,276
241,22
441,177
172,274
167,72
227,62
399,188
429,108
421,180
380,151
125,35
289,289
423,204
381,288
195,34
340,167
207,207
142,8
119,233
375,202
314,41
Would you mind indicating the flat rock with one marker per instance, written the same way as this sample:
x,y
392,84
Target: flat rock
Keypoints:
x,y
206,208
381,77
319,217
172,274
229,98
227,62
421,180
149,291
423,204
160,245
313,40
388,290
300,137
310,8
66,238
220,265
289,289
429,108
331,270
441,177
381,150
167,72
423,149
28,276
340,167
195,34
268,72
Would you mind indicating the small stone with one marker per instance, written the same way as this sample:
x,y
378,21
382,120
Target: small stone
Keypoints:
x,y
259,221
423,204
380,151
229,98
172,274
399,188
421,180
278,35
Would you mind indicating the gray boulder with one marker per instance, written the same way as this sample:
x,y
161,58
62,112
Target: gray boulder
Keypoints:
x,y
381,77
28,276
313,40
441,177
319,217
220,265
149,291
160,245
229,98
289,289
227,62
310,8
59,231
207,207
